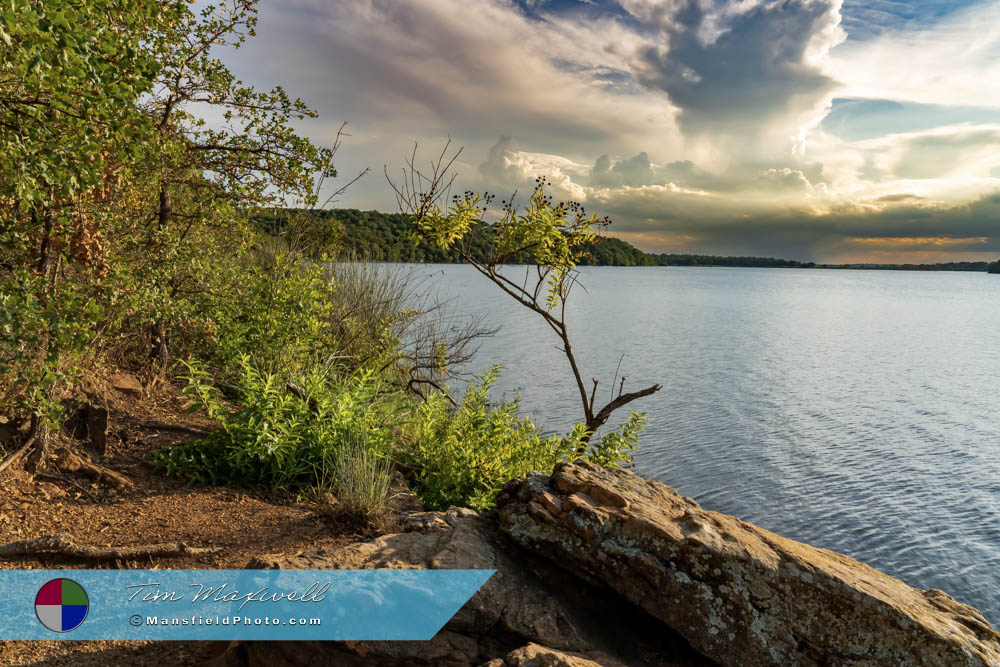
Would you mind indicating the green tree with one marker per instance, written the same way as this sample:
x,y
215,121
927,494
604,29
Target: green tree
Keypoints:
x,y
71,75
126,218
552,236
206,182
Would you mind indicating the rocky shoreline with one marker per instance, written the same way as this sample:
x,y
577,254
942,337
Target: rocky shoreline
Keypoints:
x,y
601,567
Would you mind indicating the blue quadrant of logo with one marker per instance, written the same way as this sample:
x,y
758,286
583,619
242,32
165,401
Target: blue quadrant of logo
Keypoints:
x,y
73,615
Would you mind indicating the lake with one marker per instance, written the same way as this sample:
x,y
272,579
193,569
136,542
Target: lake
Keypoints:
x,y
853,410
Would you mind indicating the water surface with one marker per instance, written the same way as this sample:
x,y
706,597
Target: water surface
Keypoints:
x,y
854,410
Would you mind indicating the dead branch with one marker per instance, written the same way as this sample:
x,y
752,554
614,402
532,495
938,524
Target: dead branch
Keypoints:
x,y
67,461
302,395
7,462
601,417
62,544
179,428
69,480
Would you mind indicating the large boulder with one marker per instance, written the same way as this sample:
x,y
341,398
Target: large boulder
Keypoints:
x,y
529,613
739,594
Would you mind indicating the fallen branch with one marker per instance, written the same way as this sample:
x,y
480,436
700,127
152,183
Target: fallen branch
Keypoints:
x,y
16,455
67,461
68,480
62,544
161,426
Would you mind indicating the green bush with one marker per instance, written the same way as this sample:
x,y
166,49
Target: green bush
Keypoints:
x,y
464,455
42,337
285,436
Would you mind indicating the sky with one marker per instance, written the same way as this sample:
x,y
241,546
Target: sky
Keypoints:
x,y
822,130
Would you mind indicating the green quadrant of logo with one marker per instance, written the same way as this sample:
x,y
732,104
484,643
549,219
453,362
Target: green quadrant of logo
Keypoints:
x,y
72,593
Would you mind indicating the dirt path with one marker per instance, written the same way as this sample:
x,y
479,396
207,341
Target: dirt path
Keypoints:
x,y
243,522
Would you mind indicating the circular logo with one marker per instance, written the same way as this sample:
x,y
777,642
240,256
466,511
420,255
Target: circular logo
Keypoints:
x,y
61,605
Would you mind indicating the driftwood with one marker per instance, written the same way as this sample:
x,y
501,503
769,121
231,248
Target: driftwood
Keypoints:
x,y
162,426
62,544
67,461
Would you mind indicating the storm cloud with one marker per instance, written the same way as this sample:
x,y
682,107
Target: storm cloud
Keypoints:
x,y
777,127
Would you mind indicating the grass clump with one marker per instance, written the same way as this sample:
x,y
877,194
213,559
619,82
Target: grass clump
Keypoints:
x,y
361,481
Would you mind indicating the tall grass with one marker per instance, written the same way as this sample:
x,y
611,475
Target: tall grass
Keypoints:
x,y
361,479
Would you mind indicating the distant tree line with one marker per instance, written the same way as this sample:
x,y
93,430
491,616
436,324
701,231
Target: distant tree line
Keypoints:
x,y
388,237
940,266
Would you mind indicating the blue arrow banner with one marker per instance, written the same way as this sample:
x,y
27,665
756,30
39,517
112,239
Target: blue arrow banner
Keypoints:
x,y
232,604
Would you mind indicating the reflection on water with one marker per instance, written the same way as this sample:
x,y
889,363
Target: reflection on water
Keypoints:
x,y
854,410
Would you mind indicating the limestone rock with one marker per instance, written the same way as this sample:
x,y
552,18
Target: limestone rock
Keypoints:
x,y
534,655
527,602
126,384
740,594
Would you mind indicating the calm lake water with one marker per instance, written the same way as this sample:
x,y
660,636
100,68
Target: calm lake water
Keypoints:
x,y
854,410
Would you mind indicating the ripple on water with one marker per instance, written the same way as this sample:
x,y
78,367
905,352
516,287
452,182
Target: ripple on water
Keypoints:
x,y
853,410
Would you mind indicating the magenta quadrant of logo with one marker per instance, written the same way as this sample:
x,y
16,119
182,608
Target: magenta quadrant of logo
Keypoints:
x,y
61,605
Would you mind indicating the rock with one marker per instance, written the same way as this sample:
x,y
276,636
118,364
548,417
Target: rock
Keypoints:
x,y
126,384
740,594
85,421
534,655
527,603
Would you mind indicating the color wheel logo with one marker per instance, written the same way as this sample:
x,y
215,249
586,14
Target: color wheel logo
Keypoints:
x,y
61,605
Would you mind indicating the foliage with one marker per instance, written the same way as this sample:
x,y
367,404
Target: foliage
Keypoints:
x,y
362,482
465,455
387,237
38,342
282,436
125,217
554,237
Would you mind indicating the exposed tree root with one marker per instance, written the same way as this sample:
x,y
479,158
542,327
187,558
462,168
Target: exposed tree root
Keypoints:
x,y
62,544
16,455
67,461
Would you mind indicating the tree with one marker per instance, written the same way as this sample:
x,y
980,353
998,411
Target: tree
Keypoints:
x,y
200,177
71,75
993,267
551,235
125,216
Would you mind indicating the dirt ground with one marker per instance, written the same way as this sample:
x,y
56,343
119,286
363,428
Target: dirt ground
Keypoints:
x,y
241,522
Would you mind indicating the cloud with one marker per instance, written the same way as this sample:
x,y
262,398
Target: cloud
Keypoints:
x,y
634,171
744,126
764,210
456,67
752,74
508,170
954,60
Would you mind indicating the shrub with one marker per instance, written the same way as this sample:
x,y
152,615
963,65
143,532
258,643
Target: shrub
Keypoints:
x,y
42,337
284,436
465,455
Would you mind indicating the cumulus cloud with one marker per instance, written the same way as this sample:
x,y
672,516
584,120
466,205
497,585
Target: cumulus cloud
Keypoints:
x,y
634,171
760,209
697,124
509,170
750,72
